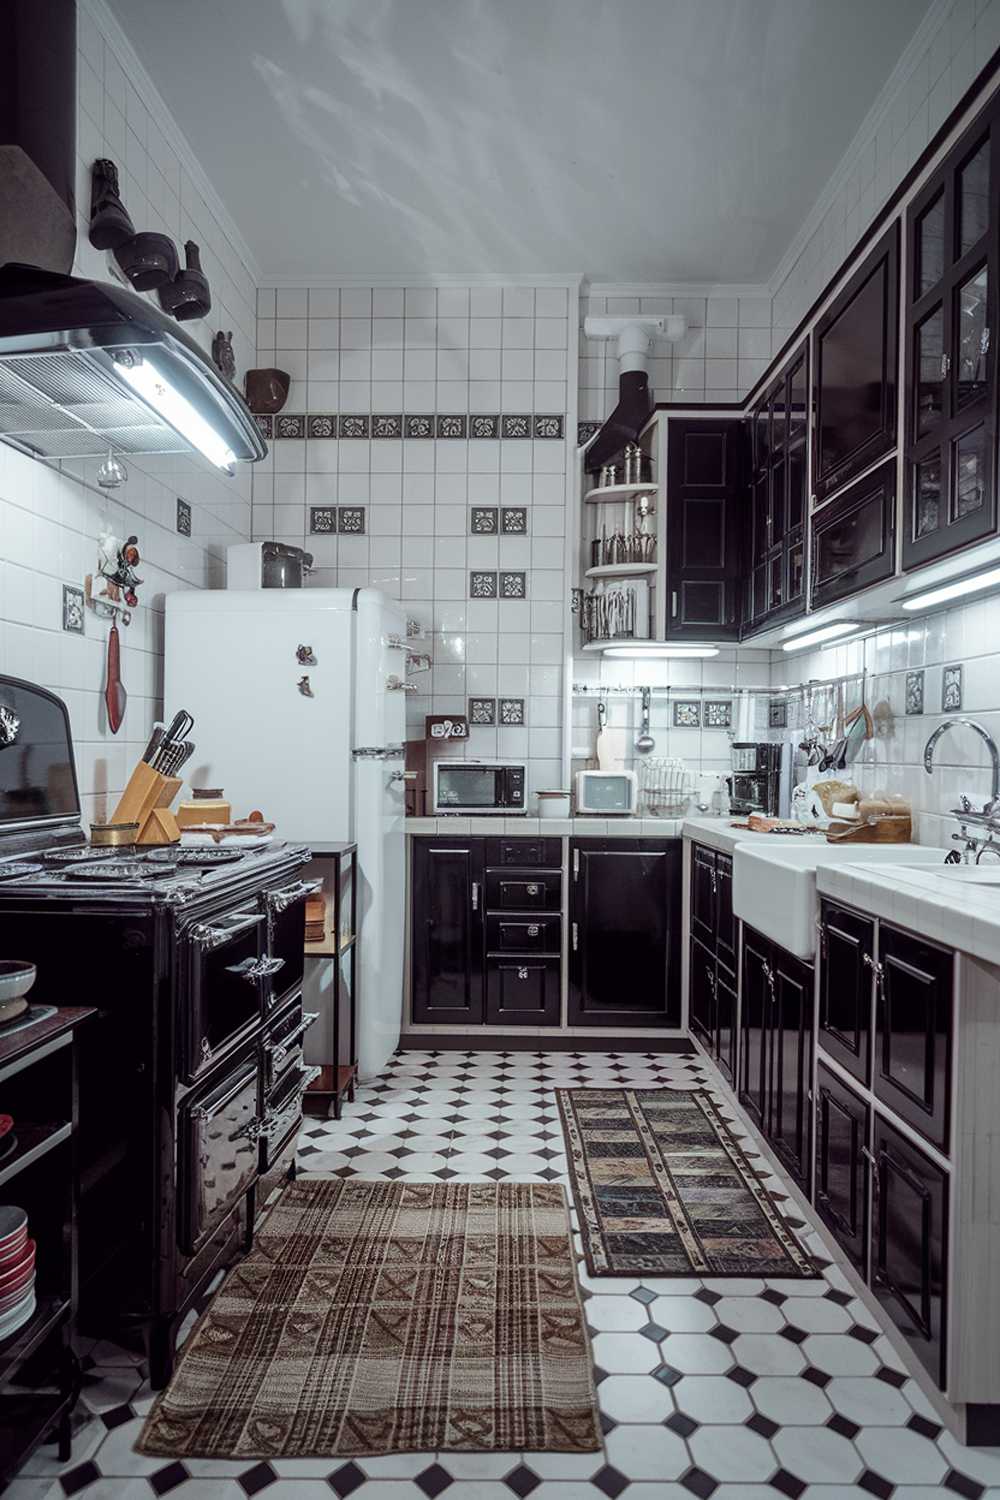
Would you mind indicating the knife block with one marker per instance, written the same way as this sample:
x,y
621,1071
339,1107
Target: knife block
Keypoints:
x,y
146,800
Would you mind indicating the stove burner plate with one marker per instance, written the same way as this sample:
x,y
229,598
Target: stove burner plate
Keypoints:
x,y
116,870
195,856
15,871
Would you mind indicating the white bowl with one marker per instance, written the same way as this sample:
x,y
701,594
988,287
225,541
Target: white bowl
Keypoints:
x,y
16,978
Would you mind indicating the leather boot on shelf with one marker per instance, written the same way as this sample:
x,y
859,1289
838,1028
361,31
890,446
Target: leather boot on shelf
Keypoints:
x,y
188,295
110,225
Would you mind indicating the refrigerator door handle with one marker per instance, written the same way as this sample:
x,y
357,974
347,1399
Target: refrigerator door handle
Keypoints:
x,y
379,752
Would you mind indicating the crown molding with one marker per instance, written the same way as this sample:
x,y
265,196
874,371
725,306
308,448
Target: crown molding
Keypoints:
x,y
572,280
108,24
675,289
886,98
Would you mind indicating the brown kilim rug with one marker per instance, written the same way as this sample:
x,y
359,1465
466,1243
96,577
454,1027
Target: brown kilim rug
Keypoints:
x,y
662,1188
390,1317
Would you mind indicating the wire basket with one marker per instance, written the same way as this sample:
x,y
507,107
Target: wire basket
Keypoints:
x,y
665,786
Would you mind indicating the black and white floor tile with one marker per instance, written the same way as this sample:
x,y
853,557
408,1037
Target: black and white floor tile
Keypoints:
x,y
734,1389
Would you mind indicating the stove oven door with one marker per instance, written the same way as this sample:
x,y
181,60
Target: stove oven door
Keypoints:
x,y
286,933
218,1132
282,1046
228,971
283,1113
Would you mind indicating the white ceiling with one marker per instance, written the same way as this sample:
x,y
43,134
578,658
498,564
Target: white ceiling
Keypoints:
x,y
631,140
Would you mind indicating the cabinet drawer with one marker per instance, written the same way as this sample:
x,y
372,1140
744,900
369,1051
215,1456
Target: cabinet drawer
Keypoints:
x,y
531,852
523,934
522,991
523,890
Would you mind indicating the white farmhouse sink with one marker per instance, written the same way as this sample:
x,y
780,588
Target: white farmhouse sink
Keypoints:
x,y
774,889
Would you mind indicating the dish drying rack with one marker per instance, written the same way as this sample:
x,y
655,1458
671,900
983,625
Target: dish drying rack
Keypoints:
x,y
665,786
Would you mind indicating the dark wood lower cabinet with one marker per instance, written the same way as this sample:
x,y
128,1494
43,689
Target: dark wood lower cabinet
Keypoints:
x,y
725,1021
847,956
840,1193
485,937
909,1244
776,1049
625,932
447,931
913,1027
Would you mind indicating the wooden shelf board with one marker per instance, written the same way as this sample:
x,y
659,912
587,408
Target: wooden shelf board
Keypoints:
x,y
328,947
610,493
622,570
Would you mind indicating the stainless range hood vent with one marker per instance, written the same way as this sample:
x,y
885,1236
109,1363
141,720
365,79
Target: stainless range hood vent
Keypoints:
x,y
87,366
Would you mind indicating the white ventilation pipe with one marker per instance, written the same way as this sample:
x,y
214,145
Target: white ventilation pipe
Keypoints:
x,y
635,335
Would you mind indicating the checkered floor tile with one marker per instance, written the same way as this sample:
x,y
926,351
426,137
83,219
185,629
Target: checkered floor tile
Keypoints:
x,y
737,1389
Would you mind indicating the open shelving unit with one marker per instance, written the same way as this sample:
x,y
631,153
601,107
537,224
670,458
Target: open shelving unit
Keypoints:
x,y
338,866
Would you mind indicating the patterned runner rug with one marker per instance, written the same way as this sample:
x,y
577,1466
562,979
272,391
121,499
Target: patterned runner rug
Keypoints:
x,y
390,1317
663,1189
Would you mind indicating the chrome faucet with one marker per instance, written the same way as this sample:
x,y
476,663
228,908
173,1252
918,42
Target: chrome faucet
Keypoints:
x,y
992,807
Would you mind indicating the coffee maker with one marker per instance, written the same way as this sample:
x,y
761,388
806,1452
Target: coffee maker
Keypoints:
x,y
759,780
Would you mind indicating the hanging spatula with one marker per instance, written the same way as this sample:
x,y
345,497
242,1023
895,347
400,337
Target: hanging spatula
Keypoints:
x,y
115,696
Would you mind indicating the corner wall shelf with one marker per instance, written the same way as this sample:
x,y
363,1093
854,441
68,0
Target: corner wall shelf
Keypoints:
x,y
621,570
618,492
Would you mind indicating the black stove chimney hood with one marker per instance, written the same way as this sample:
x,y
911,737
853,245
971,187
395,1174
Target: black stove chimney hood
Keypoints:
x,y
635,405
86,366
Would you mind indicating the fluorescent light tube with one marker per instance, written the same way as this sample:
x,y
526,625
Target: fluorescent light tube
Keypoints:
x,y
168,403
640,653
821,635
971,585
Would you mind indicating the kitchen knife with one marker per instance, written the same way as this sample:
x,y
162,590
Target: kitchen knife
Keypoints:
x,y
155,740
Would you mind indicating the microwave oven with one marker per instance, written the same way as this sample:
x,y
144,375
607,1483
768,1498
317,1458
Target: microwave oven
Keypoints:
x,y
477,788
605,794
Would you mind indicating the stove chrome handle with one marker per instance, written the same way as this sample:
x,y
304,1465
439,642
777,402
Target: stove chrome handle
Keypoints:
x,y
209,935
279,901
255,969
281,1051
275,1119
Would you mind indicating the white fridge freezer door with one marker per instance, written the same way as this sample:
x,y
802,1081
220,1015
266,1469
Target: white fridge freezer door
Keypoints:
x,y
379,806
231,658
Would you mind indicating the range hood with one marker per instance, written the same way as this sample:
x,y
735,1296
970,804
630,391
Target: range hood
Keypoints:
x,y
86,366
634,336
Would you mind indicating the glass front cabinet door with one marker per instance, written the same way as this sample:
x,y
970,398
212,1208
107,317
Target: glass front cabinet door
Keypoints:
x,y
951,292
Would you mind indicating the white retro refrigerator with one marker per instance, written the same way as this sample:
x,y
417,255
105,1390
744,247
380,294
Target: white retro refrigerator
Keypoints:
x,y
298,697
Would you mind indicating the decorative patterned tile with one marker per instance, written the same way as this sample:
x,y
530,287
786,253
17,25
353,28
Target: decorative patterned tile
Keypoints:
x,y
514,519
516,426
915,692
265,424
483,520
951,690
512,711
419,426
513,585
183,521
482,711
322,520
718,715
482,585
289,425
548,426
777,714
481,426
322,425
73,609
687,714
451,426
585,431
387,425
351,520
355,426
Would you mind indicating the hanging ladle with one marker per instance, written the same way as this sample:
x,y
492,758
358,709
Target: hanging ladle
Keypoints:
x,y
645,742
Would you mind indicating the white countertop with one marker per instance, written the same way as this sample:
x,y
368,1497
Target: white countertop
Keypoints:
x,y
624,828
955,905
721,833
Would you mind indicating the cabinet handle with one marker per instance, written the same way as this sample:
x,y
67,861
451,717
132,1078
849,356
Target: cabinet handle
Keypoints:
x,y
945,364
875,967
576,937
715,882
873,1163
576,864
475,895
522,972
821,934
984,341
710,976
673,604
769,980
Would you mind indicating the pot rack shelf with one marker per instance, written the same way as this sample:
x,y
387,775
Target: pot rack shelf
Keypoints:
x,y
668,690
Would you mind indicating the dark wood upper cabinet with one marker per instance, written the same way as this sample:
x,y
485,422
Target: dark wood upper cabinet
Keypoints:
x,y
854,537
776,506
625,932
705,469
855,363
951,386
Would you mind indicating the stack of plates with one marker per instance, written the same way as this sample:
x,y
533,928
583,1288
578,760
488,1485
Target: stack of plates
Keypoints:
x,y
315,919
17,1270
